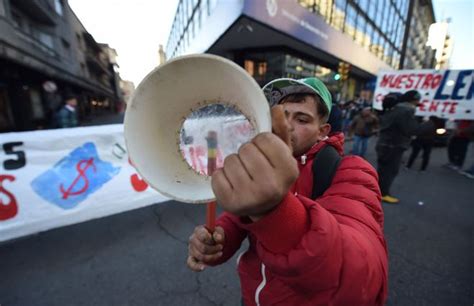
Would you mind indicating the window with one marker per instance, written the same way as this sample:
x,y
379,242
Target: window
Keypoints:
x,y
385,24
372,10
249,67
337,19
79,40
324,7
379,14
368,36
375,40
17,21
349,27
58,7
363,4
400,33
46,39
360,31
66,48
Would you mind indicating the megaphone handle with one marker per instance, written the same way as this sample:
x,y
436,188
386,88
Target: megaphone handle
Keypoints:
x,y
211,167
211,216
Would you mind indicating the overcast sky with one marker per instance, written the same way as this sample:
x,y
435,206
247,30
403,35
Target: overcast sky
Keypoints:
x,y
461,28
136,29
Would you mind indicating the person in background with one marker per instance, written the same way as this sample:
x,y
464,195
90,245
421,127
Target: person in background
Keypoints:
x,y
66,117
397,126
424,141
335,117
458,144
469,172
350,110
363,127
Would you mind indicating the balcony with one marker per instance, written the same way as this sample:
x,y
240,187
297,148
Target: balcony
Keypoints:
x,y
38,10
95,65
36,44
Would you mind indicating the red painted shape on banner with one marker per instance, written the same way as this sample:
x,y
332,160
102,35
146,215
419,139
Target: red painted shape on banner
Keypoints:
x,y
452,109
434,107
82,173
10,209
138,184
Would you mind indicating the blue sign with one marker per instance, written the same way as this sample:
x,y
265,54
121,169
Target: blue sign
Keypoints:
x,y
298,22
74,178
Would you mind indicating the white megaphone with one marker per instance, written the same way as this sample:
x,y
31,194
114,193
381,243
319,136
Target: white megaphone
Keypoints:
x,y
161,103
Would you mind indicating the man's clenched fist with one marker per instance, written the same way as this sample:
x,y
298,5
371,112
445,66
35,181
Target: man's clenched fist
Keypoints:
x,y
204,247
255,180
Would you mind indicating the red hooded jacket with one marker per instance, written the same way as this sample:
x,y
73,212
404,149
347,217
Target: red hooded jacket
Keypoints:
x,y
330,251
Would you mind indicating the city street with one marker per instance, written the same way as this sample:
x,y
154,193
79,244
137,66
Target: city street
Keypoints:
x,y
138,257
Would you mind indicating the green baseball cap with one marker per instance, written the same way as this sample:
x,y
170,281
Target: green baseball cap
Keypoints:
x,y
278,89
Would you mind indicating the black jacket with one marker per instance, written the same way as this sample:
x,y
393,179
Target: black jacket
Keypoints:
x,y
397,126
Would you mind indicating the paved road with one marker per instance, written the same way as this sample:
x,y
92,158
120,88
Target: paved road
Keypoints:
x,y
137,257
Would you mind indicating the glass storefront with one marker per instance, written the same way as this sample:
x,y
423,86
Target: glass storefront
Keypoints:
x,y
376,25
267,66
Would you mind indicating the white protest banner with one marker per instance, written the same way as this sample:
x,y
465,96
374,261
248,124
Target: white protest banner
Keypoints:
x,y
445,93
59,177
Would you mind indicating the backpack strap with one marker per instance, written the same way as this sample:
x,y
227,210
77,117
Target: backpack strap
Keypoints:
x,y
325,165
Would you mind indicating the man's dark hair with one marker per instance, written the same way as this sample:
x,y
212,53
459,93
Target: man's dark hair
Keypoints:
x,y
68,96
411,95
322,111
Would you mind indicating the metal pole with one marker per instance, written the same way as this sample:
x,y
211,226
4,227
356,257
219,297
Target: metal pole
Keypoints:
x,y
405,36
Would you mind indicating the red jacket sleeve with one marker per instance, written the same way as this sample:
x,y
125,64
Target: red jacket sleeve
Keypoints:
x,y
333,246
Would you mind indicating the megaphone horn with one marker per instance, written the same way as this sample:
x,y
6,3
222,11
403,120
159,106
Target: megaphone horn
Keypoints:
x,y
162,102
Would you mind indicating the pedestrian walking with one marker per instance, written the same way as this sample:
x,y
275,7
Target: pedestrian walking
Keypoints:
x,y
458,144
397,126
423,142
363,127
66,117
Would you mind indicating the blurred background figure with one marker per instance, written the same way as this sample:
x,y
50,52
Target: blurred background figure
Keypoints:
x,y
349,111
66,117
335,117
458,144
424,141
397,125
364,125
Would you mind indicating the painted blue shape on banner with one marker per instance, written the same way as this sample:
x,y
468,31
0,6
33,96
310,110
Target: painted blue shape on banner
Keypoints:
x,y
74,178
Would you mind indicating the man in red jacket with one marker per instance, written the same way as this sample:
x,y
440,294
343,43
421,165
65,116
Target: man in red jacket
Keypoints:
x,y
325,251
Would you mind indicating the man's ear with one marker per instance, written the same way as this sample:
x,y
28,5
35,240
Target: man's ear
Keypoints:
x,y
324,131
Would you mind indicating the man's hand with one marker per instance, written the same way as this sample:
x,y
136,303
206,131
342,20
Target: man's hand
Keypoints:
x,y
255,180
204,248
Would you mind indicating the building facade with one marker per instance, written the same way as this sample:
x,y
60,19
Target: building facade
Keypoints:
x,y
442,42
302,38
46,54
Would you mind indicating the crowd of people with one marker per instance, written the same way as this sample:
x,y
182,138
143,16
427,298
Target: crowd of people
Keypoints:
x,y
398,129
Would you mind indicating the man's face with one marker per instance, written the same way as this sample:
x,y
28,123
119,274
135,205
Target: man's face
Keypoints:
x,y
72,102
306,127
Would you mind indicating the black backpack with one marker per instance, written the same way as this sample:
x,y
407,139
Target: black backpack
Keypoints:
x,y
325,165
